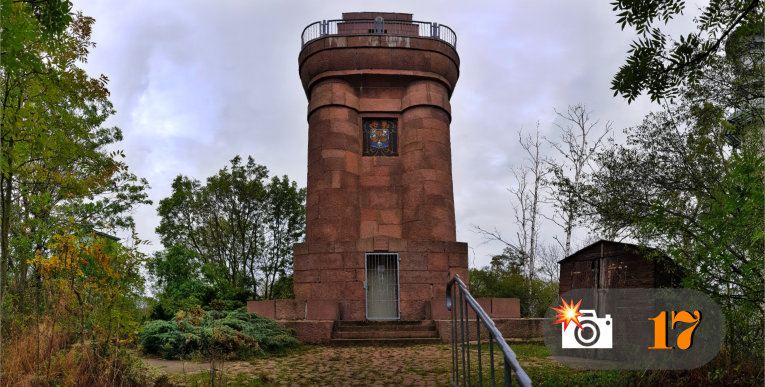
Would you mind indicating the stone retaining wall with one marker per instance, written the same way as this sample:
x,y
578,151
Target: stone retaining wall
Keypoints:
x,y
313,320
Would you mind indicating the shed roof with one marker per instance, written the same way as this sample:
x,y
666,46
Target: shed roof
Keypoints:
x,y
609,242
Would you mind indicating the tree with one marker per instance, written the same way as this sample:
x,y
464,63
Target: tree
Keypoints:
x,y
240,226
55,163
92,283
505,277
549,255
57,177
177,274
690,181
660,65
221,221
285,223
578,148
61,186
530,180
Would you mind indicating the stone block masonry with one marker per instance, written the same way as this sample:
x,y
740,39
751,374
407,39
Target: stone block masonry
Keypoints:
x,y
379,178
399,201
337,274
313,319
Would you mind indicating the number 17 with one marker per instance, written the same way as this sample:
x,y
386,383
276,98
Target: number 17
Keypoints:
x,y
684,339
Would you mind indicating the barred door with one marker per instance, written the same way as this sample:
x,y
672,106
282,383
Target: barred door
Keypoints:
x,y
382,290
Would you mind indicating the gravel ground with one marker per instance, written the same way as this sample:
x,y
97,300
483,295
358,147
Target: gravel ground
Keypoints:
x,y
424,365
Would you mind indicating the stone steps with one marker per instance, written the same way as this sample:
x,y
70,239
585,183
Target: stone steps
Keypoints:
x,y
384,334
350,333
384,323
386,326
388,342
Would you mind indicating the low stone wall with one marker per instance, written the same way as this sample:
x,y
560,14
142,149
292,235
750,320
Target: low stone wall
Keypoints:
x,y
313,320
320,331
496,308
310,331
295,309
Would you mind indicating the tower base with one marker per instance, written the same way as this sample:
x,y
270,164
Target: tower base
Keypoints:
x,y
336,272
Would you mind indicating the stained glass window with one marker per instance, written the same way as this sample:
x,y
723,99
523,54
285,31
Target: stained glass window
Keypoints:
x,y
380,137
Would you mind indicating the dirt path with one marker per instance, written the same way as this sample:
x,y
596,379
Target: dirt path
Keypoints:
x,y
427,365
184,367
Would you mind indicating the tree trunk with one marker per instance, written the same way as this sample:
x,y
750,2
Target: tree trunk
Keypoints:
x,y
5,230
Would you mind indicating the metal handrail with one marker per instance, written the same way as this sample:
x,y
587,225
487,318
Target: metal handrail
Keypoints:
x,y
510,362
420,29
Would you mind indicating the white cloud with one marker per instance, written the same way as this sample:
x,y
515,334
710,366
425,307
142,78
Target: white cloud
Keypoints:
x,y
196,82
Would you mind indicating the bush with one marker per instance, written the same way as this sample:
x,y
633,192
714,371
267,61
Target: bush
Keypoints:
x,y
44,355
162,338
534,297
232,335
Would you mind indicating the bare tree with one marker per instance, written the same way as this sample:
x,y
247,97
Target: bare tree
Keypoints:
x,y
548,255
527,195
577,148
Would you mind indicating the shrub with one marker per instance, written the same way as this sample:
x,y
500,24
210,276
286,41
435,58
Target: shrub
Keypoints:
x,y
162,338
44,355
235,334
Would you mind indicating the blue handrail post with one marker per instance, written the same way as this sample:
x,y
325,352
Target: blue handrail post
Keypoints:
x,y
467,302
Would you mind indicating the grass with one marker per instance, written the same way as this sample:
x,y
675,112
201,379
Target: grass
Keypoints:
x,y
432,365
536,362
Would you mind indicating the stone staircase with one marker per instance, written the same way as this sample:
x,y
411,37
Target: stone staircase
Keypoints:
x,y
347,333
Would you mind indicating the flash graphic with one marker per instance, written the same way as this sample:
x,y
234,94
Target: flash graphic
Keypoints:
x,y
568,313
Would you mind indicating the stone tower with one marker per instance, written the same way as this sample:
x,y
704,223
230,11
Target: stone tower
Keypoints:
x,y
380,230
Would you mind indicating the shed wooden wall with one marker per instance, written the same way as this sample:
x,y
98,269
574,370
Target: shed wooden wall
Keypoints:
x,y
611,265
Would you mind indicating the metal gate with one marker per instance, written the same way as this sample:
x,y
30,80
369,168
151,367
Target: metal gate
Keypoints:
x,y
382,289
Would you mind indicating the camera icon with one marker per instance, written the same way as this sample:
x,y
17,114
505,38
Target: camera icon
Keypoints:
x,y
594,333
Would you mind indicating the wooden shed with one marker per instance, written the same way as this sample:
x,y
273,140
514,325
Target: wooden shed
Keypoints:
x,y
608,264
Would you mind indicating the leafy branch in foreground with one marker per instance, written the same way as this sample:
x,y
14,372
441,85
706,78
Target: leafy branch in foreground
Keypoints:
x,y
658,64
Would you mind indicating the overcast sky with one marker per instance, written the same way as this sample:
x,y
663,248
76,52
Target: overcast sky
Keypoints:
x,y
195,83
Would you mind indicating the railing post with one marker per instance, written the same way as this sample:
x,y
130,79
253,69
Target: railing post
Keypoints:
x,y
465,301
467,338
508,374
455,359
434,30
491,356
324,28
478,337
462,329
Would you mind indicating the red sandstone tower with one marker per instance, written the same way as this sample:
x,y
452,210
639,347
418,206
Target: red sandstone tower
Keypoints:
x,y
380,233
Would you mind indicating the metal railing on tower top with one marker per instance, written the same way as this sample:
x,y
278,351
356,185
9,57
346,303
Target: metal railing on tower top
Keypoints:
x,y
461,340
379,26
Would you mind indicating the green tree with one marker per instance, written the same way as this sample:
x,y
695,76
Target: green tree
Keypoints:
x,y
241,226
92,283
55,165
659,64
221,221
61,184
504,278
285,224
690,181
177,274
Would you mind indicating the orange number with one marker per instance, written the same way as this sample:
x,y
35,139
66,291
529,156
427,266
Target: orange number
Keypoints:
x,y
685,338
660,331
